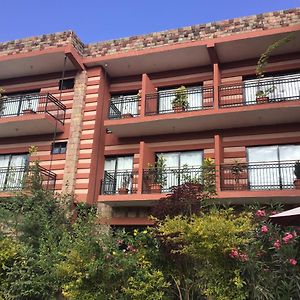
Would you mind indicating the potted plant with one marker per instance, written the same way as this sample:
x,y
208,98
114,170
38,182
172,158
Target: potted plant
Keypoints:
x,y
29,109
236,170
263,96
297,174
156,175
126,178
180,102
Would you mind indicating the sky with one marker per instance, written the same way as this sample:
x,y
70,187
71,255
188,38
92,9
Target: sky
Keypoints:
x,y
97,20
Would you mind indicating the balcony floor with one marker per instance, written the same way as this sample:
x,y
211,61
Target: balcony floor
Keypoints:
x,y
31,124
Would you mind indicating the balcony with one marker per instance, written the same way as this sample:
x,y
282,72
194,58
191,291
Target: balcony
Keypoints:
x,y
14,179
124,107
199,98
119,182
265,91
31,114
258,176
161,181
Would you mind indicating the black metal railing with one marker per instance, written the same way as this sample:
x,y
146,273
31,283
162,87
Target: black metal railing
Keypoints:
x,y
18,105
254,92
161,102
124,107
258,176
18,178
161,181
119,182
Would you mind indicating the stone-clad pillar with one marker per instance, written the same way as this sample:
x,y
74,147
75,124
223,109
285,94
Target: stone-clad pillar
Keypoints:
x,y
73,145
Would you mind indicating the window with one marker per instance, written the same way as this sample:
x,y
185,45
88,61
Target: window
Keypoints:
x,y
166,97
189,162
12,171
59,148
14,104
272,167
66,84
277,88
117,174
121,105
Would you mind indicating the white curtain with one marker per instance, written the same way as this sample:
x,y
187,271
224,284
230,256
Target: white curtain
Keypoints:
x,y
4,163
260,176
177,161
167,96
12,171
30,101
126,104
119,169
292,154
283,87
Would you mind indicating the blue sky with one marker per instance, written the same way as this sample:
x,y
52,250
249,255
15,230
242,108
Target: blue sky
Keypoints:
x,y
97,20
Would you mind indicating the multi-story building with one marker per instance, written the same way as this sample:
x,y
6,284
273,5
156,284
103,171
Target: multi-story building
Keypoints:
x,y
101,114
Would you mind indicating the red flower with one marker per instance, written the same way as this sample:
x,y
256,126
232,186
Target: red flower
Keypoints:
x,y
234,253
293,261
264,229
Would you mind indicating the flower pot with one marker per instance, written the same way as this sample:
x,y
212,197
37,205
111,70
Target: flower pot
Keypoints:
x,y
262,99
155,188
28,111
297,184
123,191
178,108
126,116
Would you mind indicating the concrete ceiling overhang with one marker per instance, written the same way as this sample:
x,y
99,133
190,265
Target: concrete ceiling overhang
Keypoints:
x,y
38,62
231,48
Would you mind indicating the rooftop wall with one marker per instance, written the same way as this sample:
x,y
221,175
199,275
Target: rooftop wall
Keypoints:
x,y
206,31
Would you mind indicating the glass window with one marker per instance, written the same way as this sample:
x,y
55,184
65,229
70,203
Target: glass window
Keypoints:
x,y
124,104
272,167
66,84
12,171
59,148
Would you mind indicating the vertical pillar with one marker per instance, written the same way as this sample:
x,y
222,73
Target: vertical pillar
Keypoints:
x,y
216,82
70,170
147,88
218,160
146,157
97,156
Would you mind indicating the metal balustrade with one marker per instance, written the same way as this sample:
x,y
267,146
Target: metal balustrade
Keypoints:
x,y
18,177
18,105
119,182
266,90
124,107
258,176
198,98
161,181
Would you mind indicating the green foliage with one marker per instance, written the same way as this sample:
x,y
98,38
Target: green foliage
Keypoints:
x,y
205,241
297,169
157,173
181,97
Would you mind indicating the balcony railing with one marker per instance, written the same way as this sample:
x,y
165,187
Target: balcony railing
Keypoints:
x,y
119,182
17,178
258,176
19,105
124,107
252,92
161,181
161,102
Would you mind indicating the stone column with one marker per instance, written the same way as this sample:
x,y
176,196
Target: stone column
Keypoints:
x,y
72,154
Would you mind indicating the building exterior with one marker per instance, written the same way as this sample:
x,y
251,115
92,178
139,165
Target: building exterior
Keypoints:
x,y
102,114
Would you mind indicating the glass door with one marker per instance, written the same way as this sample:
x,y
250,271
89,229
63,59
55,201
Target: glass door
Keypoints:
x,y
117,174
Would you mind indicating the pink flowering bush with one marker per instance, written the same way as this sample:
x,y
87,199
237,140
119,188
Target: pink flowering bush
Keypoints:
x,y
269,263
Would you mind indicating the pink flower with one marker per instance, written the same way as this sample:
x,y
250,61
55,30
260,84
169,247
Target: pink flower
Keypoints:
x,y
260,213
234,253
293,261
244,257
288,236
264,229
277,244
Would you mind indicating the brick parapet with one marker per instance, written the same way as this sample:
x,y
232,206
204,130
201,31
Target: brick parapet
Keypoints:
x,y
266,21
